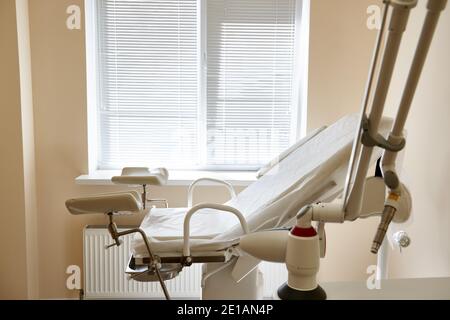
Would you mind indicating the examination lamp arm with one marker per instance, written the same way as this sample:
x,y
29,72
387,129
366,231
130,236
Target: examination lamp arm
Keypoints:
x,y
435,8
397,26
391,179
367,135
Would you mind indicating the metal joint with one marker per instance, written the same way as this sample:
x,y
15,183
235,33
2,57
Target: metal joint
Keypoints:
x,y
407,4
303,211
187,261
378,140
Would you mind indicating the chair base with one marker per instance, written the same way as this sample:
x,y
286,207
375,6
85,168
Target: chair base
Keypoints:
x,y
222,286
287,293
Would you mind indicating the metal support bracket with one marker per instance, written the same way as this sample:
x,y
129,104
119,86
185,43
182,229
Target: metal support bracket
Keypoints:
x,y
154,263
378,140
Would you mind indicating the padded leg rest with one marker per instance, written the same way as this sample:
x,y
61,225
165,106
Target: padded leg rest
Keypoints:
x,y
105,203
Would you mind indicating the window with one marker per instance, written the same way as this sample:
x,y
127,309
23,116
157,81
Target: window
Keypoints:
x,y
194,84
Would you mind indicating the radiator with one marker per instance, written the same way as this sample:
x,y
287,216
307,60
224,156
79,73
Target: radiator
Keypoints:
x,y
105,278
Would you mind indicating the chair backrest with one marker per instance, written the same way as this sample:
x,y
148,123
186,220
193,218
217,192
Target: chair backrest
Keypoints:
x,y
274,162
297,166
314,171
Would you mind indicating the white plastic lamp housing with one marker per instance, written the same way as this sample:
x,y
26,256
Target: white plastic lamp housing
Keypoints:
x,y
302,262
404,206
266,245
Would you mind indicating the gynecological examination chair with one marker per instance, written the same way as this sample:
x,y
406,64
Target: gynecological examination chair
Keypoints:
x,y
281,217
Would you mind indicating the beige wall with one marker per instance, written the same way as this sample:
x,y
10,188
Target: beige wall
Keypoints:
x,y
340,52
12,228
427,156
18,233
29,159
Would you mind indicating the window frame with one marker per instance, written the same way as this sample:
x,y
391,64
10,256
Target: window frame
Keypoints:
x,y
299,94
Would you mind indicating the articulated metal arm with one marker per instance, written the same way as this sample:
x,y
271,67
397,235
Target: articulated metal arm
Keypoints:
x,y
392,181
397,26
367,135
154,263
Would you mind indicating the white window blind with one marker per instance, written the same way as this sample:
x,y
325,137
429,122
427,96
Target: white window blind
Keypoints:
x,y
149,81
193,84
250,79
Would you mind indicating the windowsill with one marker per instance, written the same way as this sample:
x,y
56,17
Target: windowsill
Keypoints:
x,y
176,177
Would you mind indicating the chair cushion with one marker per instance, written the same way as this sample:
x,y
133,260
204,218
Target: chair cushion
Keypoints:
x,y
164,229
168,223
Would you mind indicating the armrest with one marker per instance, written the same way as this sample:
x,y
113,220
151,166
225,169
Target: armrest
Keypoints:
x,y
218,181
221,207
